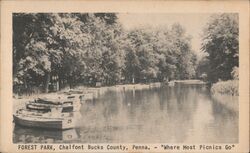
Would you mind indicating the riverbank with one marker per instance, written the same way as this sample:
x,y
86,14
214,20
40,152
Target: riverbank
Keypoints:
x,y
98,90
230,87
103,89
227,94
88,92
189,81
93,92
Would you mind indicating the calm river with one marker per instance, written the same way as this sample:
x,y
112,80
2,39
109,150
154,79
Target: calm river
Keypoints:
x,y
179,114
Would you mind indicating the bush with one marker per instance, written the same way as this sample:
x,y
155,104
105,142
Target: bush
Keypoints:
x,y
235,73
230,87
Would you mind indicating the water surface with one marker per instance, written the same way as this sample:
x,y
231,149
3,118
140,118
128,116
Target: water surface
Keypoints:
x,y
179,114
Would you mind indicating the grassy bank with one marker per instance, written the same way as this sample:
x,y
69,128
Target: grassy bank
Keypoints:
x,y
230,87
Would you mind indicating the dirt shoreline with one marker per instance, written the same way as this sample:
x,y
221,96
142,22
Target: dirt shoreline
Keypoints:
x,y
19,101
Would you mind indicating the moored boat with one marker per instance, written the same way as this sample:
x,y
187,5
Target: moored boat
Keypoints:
x,y
50,120
49,113
81,95
45,104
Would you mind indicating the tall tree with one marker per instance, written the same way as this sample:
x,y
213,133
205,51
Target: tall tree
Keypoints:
x,y
41,42
104,55
33,52
221,42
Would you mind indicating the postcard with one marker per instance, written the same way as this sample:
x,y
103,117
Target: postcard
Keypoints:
x,y
124,76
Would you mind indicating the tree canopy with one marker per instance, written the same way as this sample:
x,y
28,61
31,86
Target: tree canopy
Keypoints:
x,y
93,47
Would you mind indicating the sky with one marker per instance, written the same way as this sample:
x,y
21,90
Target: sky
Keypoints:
x,y
192,22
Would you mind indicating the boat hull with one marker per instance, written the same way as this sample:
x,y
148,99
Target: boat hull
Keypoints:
x,y
48,108
60,124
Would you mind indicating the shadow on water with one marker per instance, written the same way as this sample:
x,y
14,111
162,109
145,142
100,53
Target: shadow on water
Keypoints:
x,y
35,135
179,114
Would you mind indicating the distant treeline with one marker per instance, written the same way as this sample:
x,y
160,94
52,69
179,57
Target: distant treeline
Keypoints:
x,y
86,48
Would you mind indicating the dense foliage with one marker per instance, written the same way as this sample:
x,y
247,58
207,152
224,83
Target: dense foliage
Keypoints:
x,y
221,43
230,87
88,48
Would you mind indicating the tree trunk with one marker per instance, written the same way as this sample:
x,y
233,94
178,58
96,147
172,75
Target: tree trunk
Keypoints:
x,y
47,81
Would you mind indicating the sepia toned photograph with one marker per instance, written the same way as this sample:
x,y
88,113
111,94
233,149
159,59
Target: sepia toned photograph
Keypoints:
x,y
125,77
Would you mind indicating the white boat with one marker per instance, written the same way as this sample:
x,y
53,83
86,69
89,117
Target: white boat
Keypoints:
x,y
52,120
50,113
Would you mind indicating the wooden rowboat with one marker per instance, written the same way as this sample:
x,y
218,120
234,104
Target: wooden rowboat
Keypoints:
x,y
45,105
41,120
